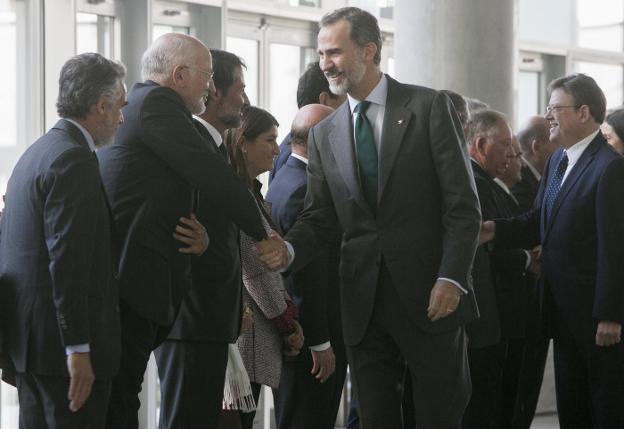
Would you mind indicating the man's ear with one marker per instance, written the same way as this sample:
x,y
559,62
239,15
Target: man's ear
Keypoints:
x,y
480,145
323,96
370,49
178,76
101,105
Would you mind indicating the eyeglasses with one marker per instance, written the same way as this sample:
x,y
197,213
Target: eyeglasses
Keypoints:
x,y
550,109
209,74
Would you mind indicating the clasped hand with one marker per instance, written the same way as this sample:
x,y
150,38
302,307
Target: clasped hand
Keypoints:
x,y
294,342
272,252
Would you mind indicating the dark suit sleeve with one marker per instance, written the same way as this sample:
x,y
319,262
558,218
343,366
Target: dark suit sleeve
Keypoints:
x,y
318,222
508,262
170,134
609,298
310,282
70,219
461,218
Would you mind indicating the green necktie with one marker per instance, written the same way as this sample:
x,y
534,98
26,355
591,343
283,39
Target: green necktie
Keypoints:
x,y
366,154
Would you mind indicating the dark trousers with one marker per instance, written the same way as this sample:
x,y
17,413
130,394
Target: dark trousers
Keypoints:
x,y
495,372
139,337
247,419
303,402
438,366
530,380
192,375
44,404
589,382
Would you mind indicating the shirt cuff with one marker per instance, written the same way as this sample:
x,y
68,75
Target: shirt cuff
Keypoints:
x,y
455,283
291,255
528,261
77,348
320,347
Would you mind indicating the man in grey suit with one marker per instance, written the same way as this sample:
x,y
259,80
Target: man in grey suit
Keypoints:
x,y
58,290
390,169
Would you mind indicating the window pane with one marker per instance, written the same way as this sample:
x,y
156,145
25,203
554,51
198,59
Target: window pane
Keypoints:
x,y
283,83
159,29
609,78
528,95
601,27
94,33
247,49
8,73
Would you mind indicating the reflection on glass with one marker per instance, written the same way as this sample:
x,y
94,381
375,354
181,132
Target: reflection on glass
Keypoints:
x,y
601,27
528,95
94,33
159,29
247,49
608,76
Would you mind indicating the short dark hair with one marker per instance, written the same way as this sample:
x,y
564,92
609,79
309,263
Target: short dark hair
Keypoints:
x,y
585,91
616,120
84,80
255,121
460,105
311,84
364,27
223,65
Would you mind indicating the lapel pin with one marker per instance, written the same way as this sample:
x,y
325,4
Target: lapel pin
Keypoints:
x,y
400,121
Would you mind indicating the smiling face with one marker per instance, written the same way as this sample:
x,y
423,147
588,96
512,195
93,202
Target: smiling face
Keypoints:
x,y
340,59
564,117
260,151
193,80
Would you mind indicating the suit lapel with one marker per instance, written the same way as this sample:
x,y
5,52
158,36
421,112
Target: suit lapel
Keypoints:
x,y
341,140
396,121
575,174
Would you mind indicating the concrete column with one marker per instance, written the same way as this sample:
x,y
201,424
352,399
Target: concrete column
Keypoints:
x,y
465,46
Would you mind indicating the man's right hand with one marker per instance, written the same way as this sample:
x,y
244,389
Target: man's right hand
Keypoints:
x,y
488,231
81,379
323,364
272,252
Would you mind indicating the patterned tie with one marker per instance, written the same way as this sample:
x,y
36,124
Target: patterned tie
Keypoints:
x,y
555,184
366,155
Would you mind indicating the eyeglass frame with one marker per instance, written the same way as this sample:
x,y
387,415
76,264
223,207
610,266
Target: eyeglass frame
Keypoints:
x,y
209,74
550,109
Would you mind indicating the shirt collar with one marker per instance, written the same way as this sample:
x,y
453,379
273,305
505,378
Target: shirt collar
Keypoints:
x,y
377,96
84,132
216,135
575,151
300,158
502,184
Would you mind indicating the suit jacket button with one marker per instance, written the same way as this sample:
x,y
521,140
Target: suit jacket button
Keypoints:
x,y
117,309
116,275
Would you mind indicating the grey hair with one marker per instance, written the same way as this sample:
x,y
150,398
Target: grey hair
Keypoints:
x,y
84,80
364,27
167,52
484,123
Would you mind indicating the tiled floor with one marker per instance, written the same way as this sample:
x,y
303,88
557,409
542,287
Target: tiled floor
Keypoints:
x,y
545,422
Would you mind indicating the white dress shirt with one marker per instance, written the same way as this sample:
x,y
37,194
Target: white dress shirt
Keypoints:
x,y
575,151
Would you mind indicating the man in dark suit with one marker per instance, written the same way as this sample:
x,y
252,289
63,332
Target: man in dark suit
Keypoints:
x,y
494,367
311,384
150,174
536,149
312,88
196,350
58,291
578,220
409,212
535,144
